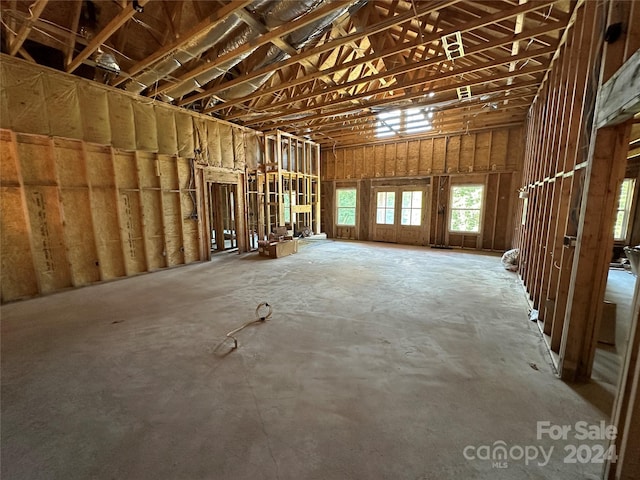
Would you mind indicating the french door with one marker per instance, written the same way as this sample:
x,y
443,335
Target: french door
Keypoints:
x,y
400,214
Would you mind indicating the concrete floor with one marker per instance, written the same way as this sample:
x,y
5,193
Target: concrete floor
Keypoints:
x,y
380,362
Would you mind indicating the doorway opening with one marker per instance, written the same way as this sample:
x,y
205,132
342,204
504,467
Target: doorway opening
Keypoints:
x,y
222,216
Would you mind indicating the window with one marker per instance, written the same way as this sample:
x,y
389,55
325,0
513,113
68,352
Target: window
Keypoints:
x,y
466,208
411,208
409,121
623,209
346,201
385,210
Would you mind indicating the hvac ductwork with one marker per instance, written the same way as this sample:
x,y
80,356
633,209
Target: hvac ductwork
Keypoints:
x,y
298,39
273,13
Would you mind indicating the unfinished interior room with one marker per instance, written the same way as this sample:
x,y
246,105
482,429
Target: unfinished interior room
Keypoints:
x,y
320,239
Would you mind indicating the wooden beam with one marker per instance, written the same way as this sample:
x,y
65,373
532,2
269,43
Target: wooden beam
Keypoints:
x,y
75,22
35,11
204,26
112,27
253,44
593,251
422,81
389,73
621,94
405,69
318,50
391,101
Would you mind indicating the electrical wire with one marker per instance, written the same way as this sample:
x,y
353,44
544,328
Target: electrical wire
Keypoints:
x,y
261,317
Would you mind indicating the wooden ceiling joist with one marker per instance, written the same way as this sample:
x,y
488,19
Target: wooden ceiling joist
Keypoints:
x,y
123,17
463,27
204,26
421,66
317,50
35,11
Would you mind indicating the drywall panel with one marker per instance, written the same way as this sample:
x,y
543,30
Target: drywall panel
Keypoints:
x,y
63,107
146,129
94,114
167,133
18,275
123,130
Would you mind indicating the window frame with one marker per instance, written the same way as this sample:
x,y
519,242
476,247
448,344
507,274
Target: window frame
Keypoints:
x,y
626,209
338,207
385,207
411,208
481,209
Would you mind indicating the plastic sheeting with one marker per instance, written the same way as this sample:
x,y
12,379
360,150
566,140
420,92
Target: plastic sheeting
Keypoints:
x,y
226,145
123,129
146,132
94,114
41,101
167,132
25,96
63,108
184,127
238,149
215,154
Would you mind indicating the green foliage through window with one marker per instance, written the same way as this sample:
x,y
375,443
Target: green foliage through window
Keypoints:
x,y
346,202
466,208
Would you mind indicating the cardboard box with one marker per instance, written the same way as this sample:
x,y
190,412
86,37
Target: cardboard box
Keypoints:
x,y
279,249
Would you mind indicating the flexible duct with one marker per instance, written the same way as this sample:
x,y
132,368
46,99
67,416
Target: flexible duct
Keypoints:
x,y
298,39
270,11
